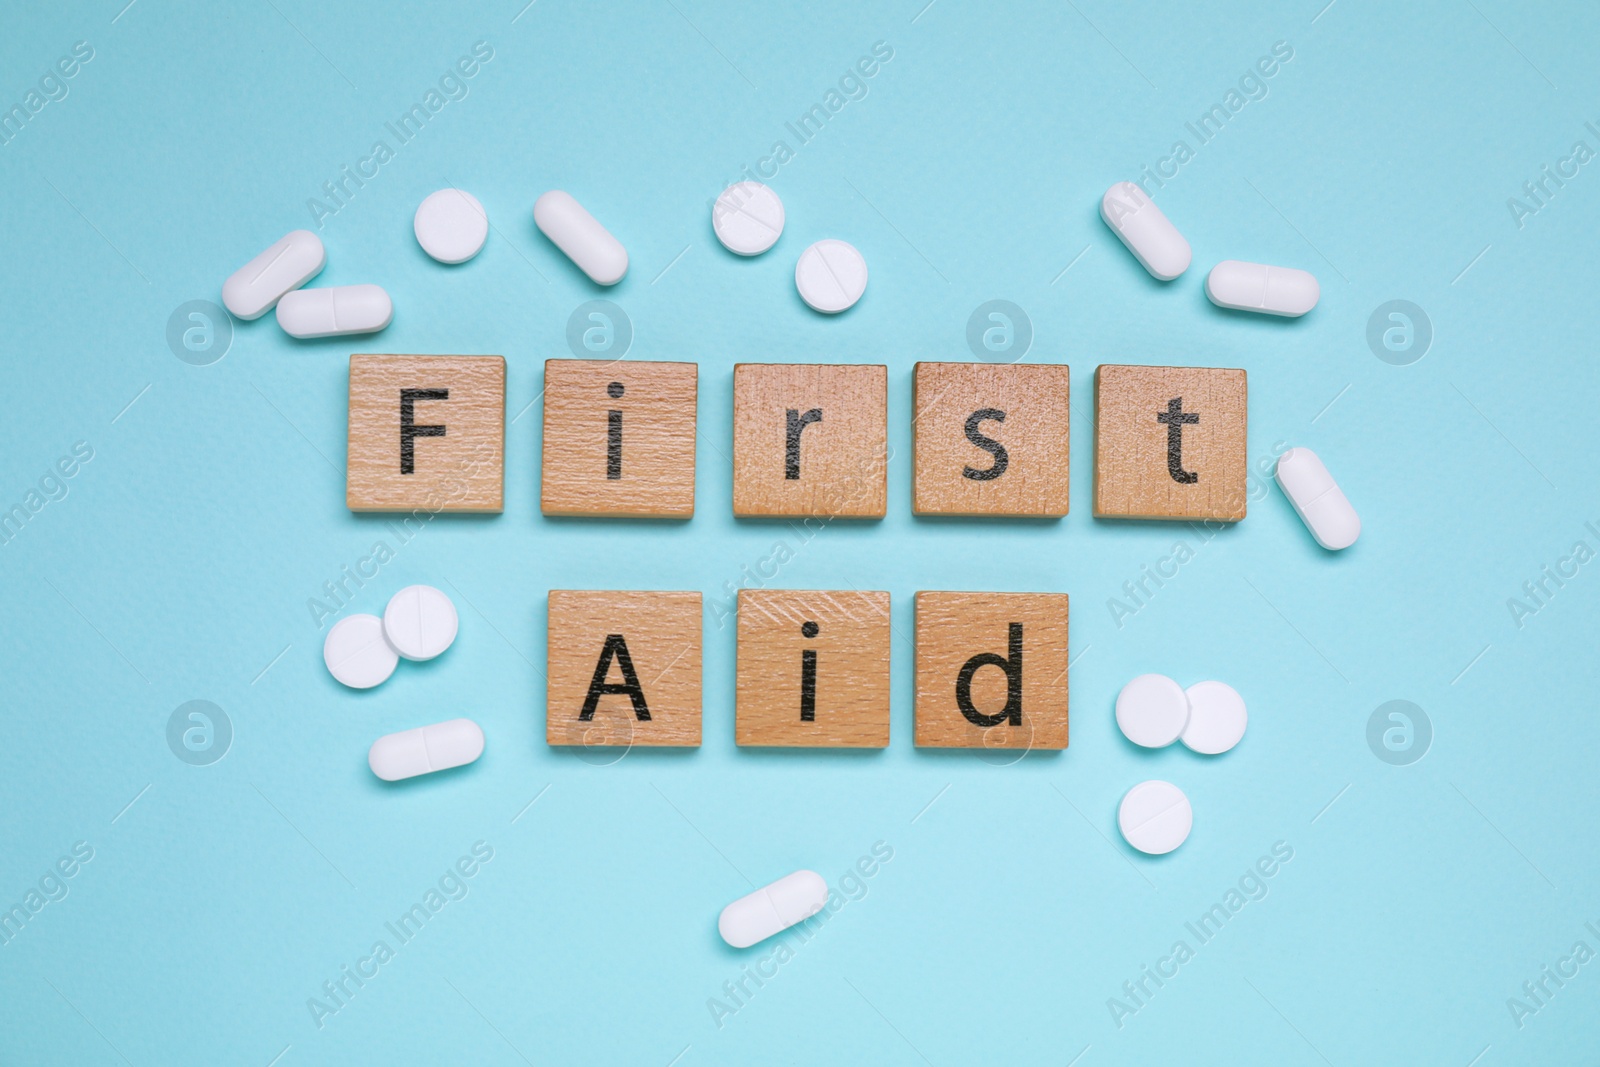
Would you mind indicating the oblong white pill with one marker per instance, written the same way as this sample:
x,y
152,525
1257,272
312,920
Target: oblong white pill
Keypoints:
x,y
831,276
577,233
426,749
334,311
291,261
772,908
357,653
451,225
747,218
1259,287
1217,718
420,622
1155,817
1147,232
1318,500
1152,710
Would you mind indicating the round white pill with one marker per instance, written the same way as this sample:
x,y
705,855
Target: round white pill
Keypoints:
x,y
831,276
1216,718
1152,710
747,218
772,908
420,622
451,225
357,653
1155,817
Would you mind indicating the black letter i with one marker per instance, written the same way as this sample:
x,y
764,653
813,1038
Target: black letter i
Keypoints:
x,y
614,436
808,676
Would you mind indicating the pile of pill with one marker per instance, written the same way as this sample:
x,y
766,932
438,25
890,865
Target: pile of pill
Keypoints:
x,y
1153,711
420,622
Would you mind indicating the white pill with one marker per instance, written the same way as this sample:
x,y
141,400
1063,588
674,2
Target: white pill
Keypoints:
x,y
420,622
1152,710
357,653
1216,718
294,259
1149,235
451,225
336,310
772,908
1318,499
426,749
1258,287
831,276
577,233
747,218
1155,817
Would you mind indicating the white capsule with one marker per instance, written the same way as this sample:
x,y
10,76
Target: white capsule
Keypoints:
x,y
1152,710
1155,817
577,233
426,749
747,218
772,908
1217,718
1147,232
1258,287
831,276
357,653
336,310
451,225
420,622
294,259
1318,499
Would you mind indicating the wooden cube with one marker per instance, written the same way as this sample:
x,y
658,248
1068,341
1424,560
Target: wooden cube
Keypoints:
x,y
992,670
813,669
619,438
624,669
1169,443
426,432
810,439
991,439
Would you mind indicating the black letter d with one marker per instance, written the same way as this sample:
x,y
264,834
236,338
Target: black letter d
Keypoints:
x,y
1012,665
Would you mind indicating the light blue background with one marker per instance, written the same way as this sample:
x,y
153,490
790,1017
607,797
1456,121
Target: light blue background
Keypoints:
x,y
179,564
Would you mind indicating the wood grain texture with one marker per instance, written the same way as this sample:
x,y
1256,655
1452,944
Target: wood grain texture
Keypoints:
x,y
1138,474
849,690
842,458
1028,705
955,475
639,463
661,632
461,470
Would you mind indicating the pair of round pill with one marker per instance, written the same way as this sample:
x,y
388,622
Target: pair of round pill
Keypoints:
x,y
830,276
1153,711
362,651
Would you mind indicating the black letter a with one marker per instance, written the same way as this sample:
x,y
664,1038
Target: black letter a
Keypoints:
x,y
616,647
